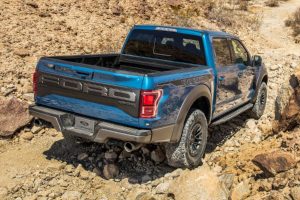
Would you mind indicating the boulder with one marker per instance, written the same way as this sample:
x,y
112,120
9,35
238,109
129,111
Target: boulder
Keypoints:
x,y
279,183
97,171
84,175
295,193
146,178
282,100
22,52
174,3
162,188
287,104
3,193
158,155
82,156
251,124
266,128
13,116
117,10
35,129
140,194
241,191
110,171
27,136
275,162
71,195
227,180
265,185
200,183
291,141
32,4
111,156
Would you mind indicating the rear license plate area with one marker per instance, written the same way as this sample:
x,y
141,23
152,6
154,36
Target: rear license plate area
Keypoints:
x,y
85,124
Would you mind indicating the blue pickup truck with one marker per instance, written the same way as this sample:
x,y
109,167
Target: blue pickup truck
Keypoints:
x,y
166,87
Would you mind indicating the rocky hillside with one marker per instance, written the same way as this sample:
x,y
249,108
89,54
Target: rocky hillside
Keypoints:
x,y
31,29
245,159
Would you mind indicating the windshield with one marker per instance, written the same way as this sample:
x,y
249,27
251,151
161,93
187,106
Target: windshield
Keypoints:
x,y
165,45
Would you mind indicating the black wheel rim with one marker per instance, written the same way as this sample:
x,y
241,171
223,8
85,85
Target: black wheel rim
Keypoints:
x,y
262,99
195,140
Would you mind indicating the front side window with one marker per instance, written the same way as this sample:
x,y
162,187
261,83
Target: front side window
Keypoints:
x,y
222,51
240,53
166,45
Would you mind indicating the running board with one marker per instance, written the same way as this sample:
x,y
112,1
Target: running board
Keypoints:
x,y
231,115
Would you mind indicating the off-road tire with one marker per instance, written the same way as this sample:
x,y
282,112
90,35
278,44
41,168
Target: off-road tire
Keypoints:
x,y
179,154
260,103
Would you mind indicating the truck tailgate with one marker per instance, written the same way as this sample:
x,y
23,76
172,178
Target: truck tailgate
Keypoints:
x,y
90,91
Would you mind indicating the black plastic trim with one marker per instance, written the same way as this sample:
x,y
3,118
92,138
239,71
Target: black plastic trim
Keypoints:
x,y
103,130
197,92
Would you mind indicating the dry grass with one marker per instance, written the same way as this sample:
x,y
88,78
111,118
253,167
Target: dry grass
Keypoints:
x,y
294,22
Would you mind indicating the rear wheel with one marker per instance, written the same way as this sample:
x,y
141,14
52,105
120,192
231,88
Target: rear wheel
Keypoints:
x,y
260,103
188,152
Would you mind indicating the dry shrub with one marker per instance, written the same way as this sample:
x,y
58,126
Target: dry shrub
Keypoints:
x,y
272,3
294,22
227,14
244,5
234,14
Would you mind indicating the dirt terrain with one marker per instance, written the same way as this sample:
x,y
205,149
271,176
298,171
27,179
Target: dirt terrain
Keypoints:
x,y
37,163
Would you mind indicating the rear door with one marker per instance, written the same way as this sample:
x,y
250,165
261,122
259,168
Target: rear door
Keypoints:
x,y
228,92
246,72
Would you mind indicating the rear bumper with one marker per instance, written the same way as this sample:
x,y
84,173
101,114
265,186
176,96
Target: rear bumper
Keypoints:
x,y
102,131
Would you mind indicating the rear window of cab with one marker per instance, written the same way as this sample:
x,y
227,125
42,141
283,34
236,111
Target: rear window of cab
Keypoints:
x,y
166,45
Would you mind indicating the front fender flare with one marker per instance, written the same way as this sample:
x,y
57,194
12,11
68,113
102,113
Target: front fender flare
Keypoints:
x,y
261,75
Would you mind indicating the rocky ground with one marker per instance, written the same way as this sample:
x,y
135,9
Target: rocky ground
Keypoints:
x,y
245,159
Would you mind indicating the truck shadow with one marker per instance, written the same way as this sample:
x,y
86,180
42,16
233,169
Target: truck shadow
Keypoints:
x,y
137,166
218,135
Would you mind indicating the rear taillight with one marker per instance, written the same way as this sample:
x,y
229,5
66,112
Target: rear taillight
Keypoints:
x,y
35,79
149,103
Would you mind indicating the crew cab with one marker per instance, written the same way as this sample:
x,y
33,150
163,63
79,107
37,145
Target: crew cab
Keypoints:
x,y
166,86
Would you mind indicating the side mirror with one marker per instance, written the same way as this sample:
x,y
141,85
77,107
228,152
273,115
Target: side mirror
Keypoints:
x,y
257,61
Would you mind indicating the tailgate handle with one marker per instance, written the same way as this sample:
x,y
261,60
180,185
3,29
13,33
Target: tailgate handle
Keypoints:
x,y
84,74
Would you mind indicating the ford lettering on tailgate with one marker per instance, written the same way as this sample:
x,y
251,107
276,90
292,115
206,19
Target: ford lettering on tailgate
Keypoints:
x,y
89,87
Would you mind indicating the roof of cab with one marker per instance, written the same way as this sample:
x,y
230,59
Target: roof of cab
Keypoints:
x,y
184,30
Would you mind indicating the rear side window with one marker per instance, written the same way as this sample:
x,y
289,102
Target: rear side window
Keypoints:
x,y
166,45
222,52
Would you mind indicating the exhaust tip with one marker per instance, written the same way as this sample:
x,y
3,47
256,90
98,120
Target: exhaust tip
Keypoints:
x,y
130,147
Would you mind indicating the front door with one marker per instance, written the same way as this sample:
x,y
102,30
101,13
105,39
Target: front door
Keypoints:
x,y
228,92
246,73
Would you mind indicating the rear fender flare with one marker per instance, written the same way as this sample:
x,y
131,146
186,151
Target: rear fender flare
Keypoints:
x,y
196,93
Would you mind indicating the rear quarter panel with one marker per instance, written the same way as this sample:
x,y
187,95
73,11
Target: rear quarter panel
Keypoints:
x,y
176,86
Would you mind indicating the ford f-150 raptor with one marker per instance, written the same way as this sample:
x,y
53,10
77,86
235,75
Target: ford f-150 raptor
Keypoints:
x,y
165,86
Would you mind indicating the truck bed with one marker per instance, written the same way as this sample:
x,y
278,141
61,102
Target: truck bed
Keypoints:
x,y
129,63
